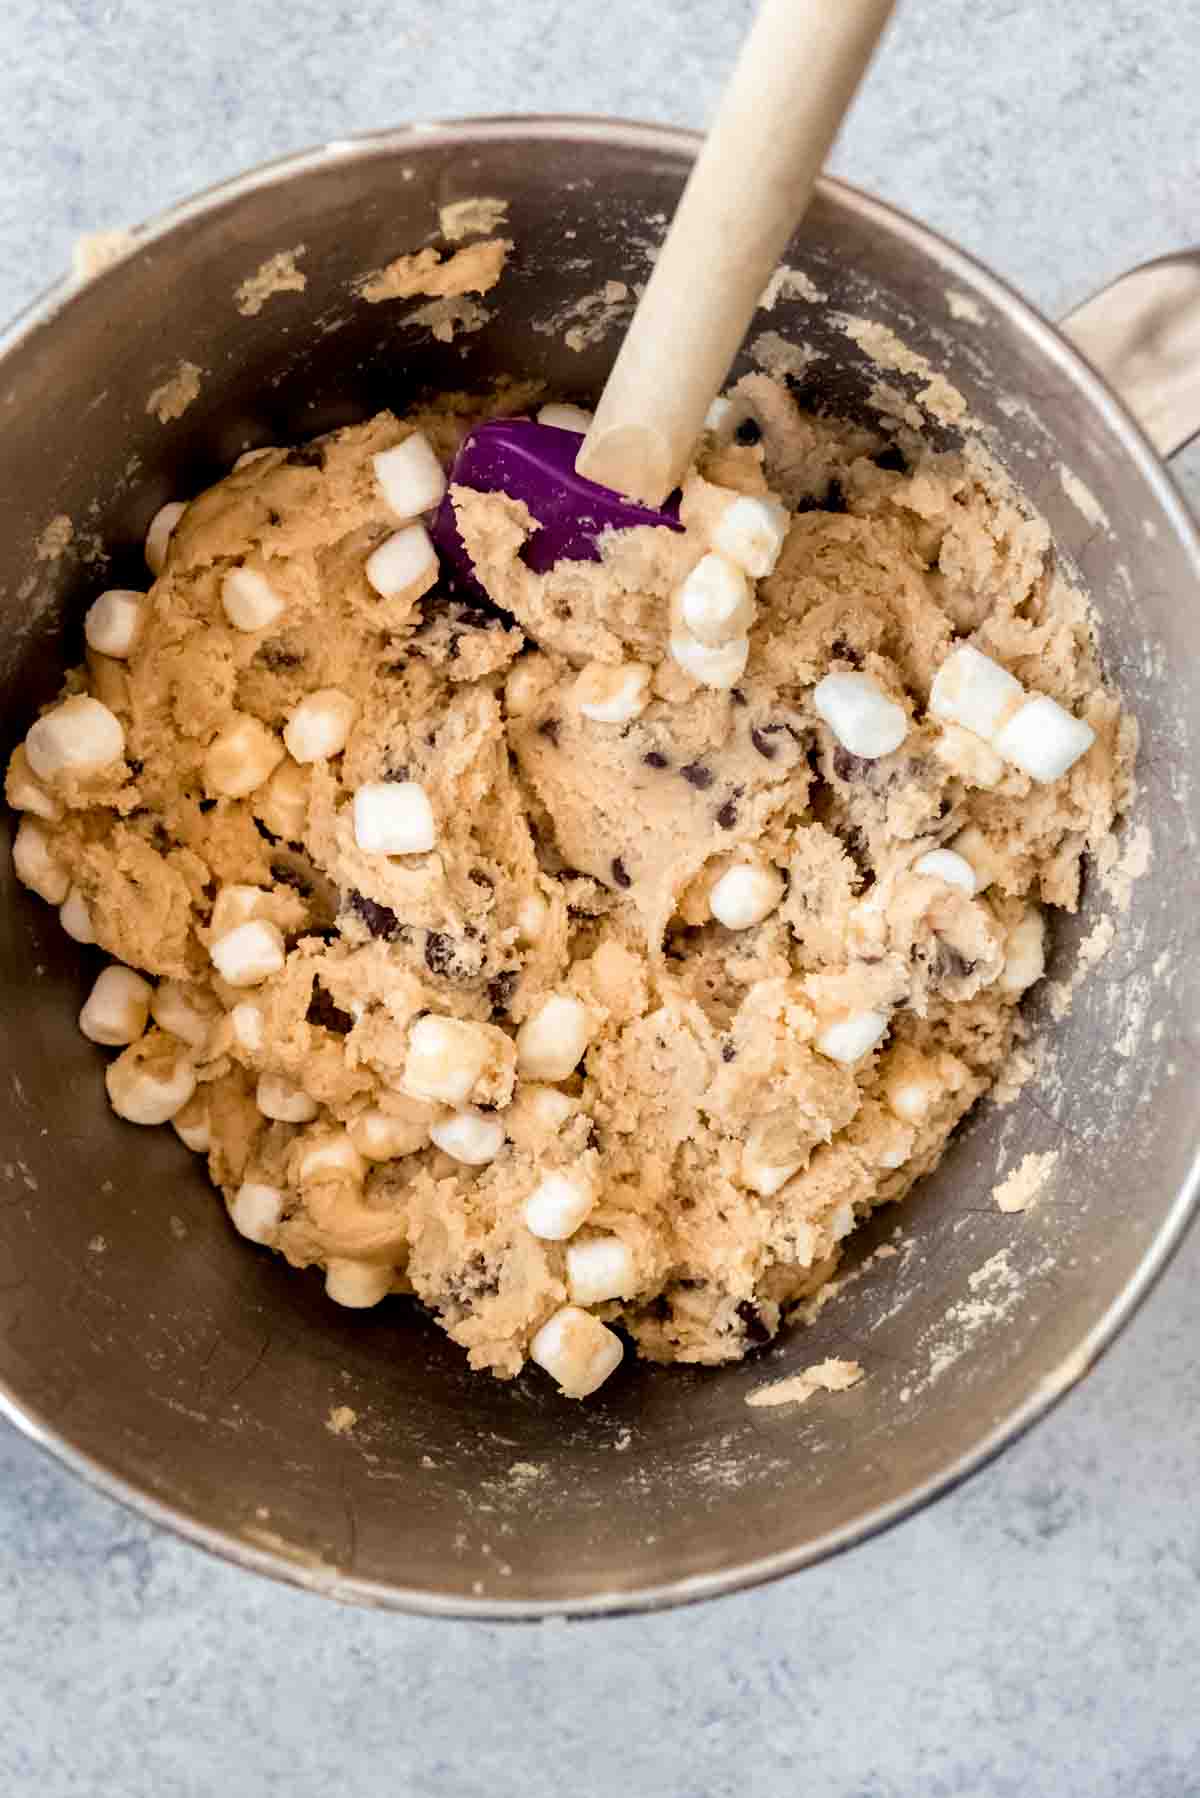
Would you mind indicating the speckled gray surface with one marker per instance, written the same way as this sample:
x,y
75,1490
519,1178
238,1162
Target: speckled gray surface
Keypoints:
x,y
1035,1633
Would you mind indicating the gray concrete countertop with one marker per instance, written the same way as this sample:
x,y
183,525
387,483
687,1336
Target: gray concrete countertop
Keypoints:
x,y
1036,1633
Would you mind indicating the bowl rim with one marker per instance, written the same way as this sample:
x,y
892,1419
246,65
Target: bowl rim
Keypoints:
x,y
298,1567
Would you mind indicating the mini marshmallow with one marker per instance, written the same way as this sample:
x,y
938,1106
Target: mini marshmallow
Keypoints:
x,y
525,683
249,600
393,817
330,1158
249,1026
972,690
852,1037
80,736
1024,955
719,668
357,1284
280,1098
241,757
25,794
114,621
1043,739
158,537
611,695
565,418
117,1009
236,904
410,476
532,914
249,456
405,565
551,1042
378,1136
35,863
910,1086
145,1090
75,918
715,602
717,413
745,896
860,714
751,532
320,725
550,1107
777,1147
256,1211
557,1206
188,1012
577,1350
192,1125
948,865
469,1136
249,954
446,1056
283,803
599,1268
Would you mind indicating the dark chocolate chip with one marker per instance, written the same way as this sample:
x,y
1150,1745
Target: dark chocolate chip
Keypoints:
x,y
549,728
727,816
621,874
502,987
850,767
268,836
761,743
892,458
841,651
273,516
441,957
478,878
835,498
728,1052
380,920
753,1322
205,805
399,772
737,696
697,775
135,766
306,455
749,431
286,876
324,1012
653,759
278,657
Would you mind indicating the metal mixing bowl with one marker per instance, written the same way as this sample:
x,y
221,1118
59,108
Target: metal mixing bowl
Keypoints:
x,y
192,1375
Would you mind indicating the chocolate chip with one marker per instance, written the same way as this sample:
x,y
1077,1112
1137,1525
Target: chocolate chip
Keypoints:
x,y
502,987
549,728
737,696
205,805
396,771
621,874
761,743
478,878
440,956
380,920
749,431
286,876
278,657
324,1012
754,1323
135,766
697,775
273,516
948,963
268,836
835,499
850,767
728,1052
841,651
305,455
727,816
653,759
892,458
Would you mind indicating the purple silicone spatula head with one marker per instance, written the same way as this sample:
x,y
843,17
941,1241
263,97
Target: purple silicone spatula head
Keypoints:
x,y
536,463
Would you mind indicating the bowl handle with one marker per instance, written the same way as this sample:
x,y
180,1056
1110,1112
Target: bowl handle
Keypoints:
x,y
1142,333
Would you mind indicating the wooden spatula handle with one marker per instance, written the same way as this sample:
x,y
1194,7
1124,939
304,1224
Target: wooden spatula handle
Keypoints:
x,y
790,90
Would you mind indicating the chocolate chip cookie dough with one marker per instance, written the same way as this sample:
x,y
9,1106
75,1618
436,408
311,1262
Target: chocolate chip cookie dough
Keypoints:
x,y
601,951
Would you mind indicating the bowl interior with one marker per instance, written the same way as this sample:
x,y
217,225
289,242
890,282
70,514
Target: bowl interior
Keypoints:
x,y
165,1357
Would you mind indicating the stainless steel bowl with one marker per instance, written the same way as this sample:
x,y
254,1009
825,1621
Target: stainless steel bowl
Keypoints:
x,y
192,1376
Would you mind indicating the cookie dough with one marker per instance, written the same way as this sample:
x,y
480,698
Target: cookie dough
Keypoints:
x,y
428,889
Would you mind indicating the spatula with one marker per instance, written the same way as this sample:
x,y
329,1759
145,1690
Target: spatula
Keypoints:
x,y
793,83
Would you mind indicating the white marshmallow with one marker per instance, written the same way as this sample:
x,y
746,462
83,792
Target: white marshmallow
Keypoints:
x,y
550,1107
860,714
149,1091
250,953
256,1211
117,1009
776,1147
611,695
249,456
911,1087
236,904
35,863
188,1012
249,1026
469,1136
378,1136
557,1206
249,600
1043,739
405,565
717,413
532,914
330,1158
25,794
565,418
280,1098
972,690
393,817
987,863
241,757
525,683
852,1037
446,1056
1024,955
599,1268
719,668
716,602
577,1350
320,725
192,1125
410,476
283,802
751,532
114,622
745,896
949,866
75,918
551,1042
357,1284
80,736
158,536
